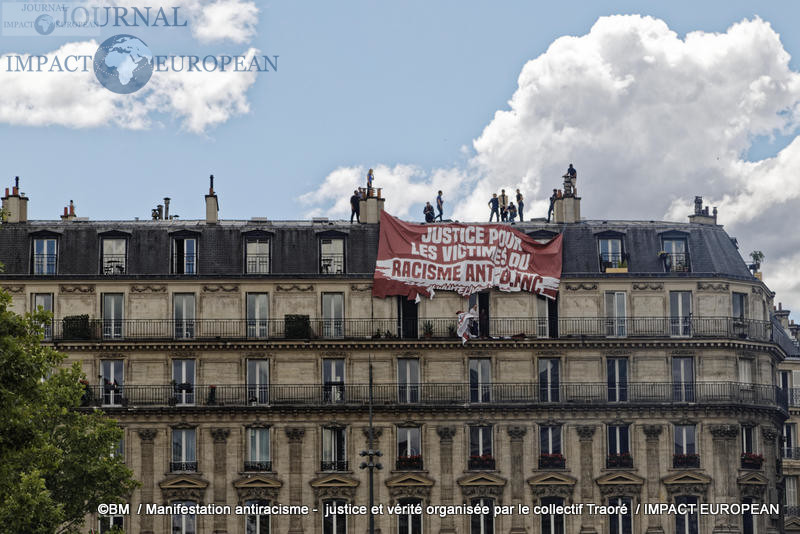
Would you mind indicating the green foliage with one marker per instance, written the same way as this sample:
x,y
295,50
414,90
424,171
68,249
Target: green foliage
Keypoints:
x,y
57,462
76,327
757,256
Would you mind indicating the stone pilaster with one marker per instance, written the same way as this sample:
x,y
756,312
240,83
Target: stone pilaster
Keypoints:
x,y
147,437
446,434
652,434
586,440
220,436
726,465
770,435
516,435
295,435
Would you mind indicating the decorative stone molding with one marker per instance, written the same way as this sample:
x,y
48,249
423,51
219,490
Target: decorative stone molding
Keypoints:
x,y
516,433
295,434
724,431
377,432
687,483
147,434
752,485
334,486
148,289
585,432
225,288
359,288
220,435
183,488
77,288
652,432
712,286
648,286
580,287
409,485
446,433
552,485
620,484
295,287
756,290
14,289
769,433
482,485
257,487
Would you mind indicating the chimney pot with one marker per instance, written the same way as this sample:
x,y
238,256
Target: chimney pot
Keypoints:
x,y
211,185
71,208
66,211
780,306
6,192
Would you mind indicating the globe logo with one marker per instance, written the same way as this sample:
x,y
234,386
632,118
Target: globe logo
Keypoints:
x,y
123,64
44,24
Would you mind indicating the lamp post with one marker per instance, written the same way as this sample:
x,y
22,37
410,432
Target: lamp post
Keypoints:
x,y
371,453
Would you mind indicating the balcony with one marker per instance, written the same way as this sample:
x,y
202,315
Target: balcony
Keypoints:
x,y
114,264
177,467
623,460
44,263
613,262
303,327
185,263
791,511
752,461
257,263
409,463
790,453
485,462
676,262
457,394
333,465
255,466
552,461
331,264
686,461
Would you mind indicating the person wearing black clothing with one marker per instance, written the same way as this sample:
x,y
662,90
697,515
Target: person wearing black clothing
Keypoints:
x,y
512,212
440,205
552,204
428,212
520,205
494,204
503,198
355,208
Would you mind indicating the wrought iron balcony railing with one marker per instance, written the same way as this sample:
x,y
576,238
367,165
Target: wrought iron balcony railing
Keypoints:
x,y
331,264
44,263
175,467
302,327
409,463
552,461
484,462
333,465
439,394
791,511
685,461
676,262
257,263
260,465
790,453
621,460
114,264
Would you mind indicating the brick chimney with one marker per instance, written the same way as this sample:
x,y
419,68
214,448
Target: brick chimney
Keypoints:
x,y
69,212
212,204
701,215
15,205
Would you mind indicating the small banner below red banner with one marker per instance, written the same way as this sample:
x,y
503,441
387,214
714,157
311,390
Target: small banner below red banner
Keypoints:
x,y
417,259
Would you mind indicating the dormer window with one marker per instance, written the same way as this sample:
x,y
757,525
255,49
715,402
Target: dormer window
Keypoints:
x,y
184,255
45,255
611,253
257,259
674,253
331,257
114,256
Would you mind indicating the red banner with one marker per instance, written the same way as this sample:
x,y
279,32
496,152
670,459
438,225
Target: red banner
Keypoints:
x,y
421,258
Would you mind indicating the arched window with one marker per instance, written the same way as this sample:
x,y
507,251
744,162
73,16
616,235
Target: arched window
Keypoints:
x,y
409,521
482,523
333,523
256,523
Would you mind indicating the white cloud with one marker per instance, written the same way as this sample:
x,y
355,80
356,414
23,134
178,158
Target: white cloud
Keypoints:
x,y
199,100
650,120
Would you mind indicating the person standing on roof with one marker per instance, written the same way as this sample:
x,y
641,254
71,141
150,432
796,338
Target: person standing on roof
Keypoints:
x,y
520,205
370,178
439,206
355,207
493,205
503,198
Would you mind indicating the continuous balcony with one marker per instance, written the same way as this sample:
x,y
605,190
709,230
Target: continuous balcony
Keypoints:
x,y
651,394
302,327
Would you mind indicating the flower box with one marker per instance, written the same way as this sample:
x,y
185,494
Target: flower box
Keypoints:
x,y
685,461
752,461
622,460
485,461
552,461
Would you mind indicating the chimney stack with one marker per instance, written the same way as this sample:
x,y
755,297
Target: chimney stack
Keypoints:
x,y
701,215
69,212
212,204
15,205
166,208
567,205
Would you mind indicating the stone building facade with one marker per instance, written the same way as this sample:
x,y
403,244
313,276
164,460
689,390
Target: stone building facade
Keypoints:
x,y
235,354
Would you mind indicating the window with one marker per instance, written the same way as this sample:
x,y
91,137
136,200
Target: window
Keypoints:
x,y
548,379
184,523
751,458
482,523
685,451
111,376
617,378
335,523
683,379
257,260
785,380
334,457
619,452
616,325
687,523
112,315
407,318
114,256
411,521
749,522
258,381
791,492
331,257
480,447
184,453
680,313
621,522
676,259
119,449
542,319
258,457
108,522
184,255
408,380
45,301
611,254
45,256
333,380
332,315
550,454
481,301
256,523
749,439
552,523
257,315
746,366
183,381
789,441
409,449
183,308
739,301
480,380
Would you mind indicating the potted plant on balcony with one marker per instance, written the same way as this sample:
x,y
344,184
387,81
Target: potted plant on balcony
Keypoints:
x,y
623,459
751,460
413,461
552,461
427,329
687,460
483,461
